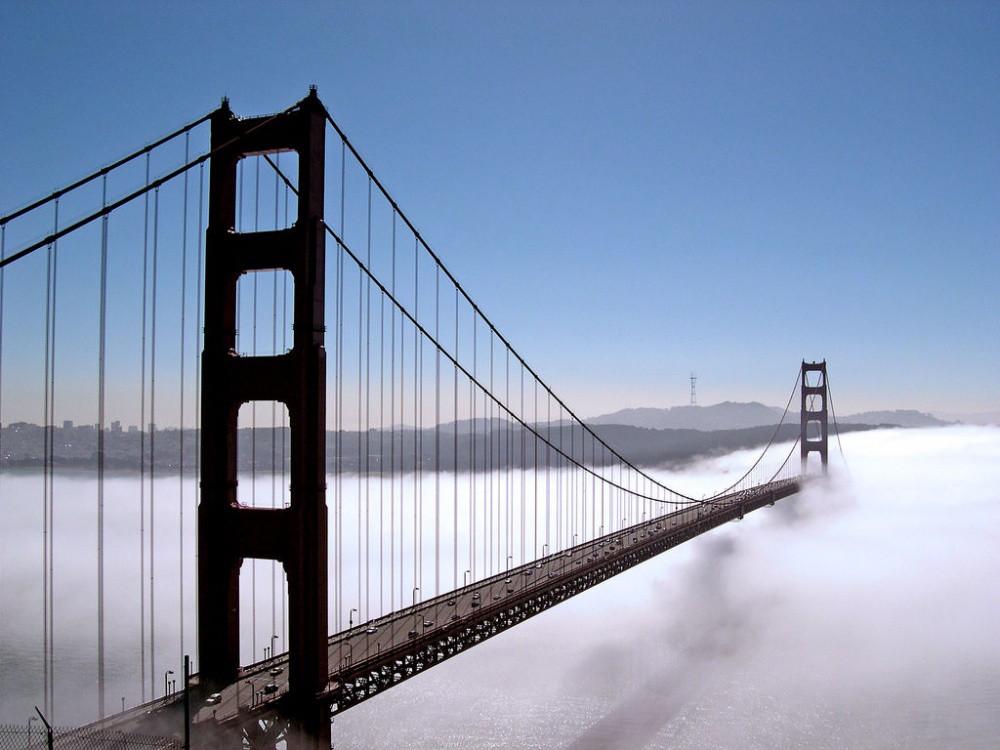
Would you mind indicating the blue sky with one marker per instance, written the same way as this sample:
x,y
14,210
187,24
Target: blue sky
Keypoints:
x,y
632,191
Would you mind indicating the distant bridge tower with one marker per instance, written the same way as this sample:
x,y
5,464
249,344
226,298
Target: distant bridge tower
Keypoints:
x,y
694,395
228,532
814,427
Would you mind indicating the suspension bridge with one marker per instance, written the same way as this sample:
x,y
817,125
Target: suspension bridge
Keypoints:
x,y
361,475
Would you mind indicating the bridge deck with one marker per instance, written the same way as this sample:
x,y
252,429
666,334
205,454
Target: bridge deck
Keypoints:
x,y
376,655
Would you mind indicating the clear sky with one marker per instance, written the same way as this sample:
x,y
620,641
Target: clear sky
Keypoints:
x,y
631,191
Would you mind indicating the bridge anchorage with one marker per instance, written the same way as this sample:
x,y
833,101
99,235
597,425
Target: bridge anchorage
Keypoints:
x,y
465,495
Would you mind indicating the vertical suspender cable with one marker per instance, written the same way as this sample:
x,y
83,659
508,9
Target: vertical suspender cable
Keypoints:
x,y
360,469
488,529
253,422
368,407
142,443
475,432
417,504
437,432
45,483
239,228
340,393
152,448
455,451
274,409
547,471
522,433
572,498
47,475
392,429
197,380
381,459
52,475
593,489
418,411
3,255
180,431
402,456
829,392
284,432
535,550
101,362
274,412
560,481
509,529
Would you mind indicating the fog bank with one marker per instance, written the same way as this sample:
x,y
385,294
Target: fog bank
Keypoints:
x,y
861,614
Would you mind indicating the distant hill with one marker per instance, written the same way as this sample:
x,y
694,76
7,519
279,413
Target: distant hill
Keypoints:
x,y
899,417
981,418
728,415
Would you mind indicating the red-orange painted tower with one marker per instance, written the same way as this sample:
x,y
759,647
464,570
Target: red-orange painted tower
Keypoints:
x,y
228,531
814,435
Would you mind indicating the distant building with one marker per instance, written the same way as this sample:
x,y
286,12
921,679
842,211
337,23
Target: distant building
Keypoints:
x,y
67,424
116,427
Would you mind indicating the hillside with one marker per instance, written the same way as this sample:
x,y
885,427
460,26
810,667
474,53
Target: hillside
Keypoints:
x,y
730,415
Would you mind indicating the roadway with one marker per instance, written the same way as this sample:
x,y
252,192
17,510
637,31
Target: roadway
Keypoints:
x,y
376,654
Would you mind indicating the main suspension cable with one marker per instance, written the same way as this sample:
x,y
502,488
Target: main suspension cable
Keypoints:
x,y
560,453
104,171
770,442
494,333
419,238
105,210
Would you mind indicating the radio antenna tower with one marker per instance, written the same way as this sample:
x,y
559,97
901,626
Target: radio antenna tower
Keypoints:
x,y
694,397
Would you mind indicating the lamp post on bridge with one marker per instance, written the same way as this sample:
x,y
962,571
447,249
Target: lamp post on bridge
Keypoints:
x,y
165,681
416,615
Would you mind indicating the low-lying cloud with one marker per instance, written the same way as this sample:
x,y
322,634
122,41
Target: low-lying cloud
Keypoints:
x,y
862,612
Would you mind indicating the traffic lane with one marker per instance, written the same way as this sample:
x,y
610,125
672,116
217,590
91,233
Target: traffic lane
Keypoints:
x,y
399,628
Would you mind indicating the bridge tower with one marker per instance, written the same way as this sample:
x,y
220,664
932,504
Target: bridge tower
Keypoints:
x,y
228,531
814,427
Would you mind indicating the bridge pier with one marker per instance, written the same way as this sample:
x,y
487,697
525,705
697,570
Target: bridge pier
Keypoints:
x,y
228,531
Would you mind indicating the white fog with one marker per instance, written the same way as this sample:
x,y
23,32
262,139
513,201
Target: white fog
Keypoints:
x,y
859,614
